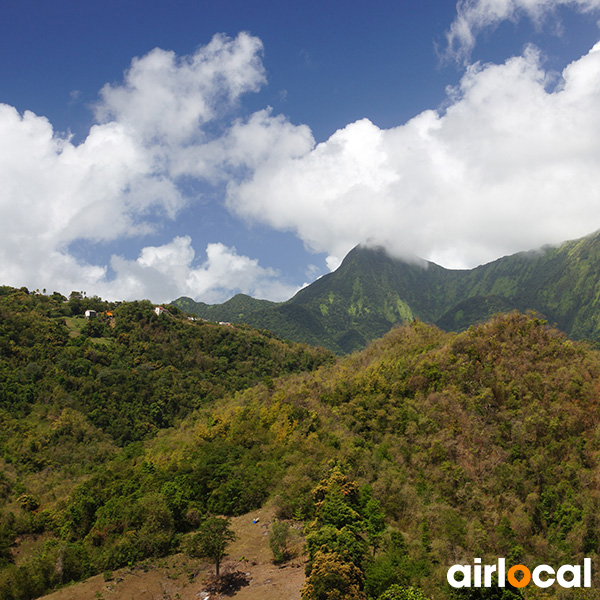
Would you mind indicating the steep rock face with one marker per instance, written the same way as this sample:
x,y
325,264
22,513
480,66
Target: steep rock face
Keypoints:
x,y
372,291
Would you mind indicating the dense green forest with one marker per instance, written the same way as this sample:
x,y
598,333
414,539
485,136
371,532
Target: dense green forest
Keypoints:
x,y
120,434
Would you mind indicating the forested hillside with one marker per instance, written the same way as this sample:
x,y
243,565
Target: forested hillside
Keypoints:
x,y
76,394
424,450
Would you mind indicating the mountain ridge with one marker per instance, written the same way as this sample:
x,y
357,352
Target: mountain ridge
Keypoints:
x,y
371,291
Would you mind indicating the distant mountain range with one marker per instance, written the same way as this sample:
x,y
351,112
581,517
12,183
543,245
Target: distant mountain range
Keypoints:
x,y
371,292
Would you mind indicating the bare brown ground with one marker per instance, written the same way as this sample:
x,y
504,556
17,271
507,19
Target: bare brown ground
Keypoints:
x,y
178,577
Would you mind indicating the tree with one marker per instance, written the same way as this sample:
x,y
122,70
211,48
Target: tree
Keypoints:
x,y
373,518
279,537
211,540
336,547
337,526
332,578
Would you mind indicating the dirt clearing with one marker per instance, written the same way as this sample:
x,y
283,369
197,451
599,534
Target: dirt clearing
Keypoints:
x,y
178,577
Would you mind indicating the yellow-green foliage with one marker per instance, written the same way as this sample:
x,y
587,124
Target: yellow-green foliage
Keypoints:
x,y
333,579
484,443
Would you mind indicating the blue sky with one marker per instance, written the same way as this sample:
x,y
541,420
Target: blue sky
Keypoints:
x,y
154,149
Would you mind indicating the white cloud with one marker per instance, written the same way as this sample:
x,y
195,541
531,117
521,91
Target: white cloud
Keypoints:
x,y
168,99
474,16
512,164
245,146
57,192
123,177
166,272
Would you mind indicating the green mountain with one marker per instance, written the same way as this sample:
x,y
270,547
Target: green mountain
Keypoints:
x,y
371,292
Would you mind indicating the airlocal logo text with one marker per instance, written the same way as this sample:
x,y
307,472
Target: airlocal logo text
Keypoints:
x,y
478,575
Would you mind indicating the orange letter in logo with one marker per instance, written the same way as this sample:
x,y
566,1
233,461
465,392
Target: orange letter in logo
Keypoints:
x,y
514,581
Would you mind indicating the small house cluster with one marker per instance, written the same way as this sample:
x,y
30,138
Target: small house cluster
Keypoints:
x,y
107,315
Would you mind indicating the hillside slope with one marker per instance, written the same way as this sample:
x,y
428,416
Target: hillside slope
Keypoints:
x,y
77,399
483,443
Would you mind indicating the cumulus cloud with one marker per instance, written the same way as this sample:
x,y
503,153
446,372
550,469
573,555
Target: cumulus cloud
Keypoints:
x,y
167,99
168,271
511,164
54,192
123,178
474,16
247,145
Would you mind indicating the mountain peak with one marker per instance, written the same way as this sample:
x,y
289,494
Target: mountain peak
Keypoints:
x,y
380,253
